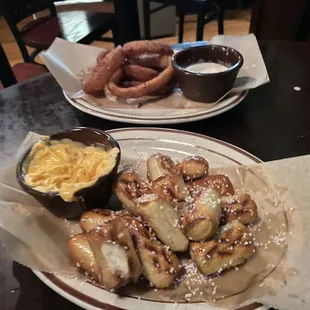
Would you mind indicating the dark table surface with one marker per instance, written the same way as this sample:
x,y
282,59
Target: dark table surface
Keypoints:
x,y
273,122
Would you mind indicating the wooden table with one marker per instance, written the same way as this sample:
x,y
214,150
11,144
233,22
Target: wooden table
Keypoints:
x,y
272,123
83,26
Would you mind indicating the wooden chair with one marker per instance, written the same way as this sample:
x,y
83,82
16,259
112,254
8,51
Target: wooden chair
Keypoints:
x,y
200,7
18,73
82,27
39,33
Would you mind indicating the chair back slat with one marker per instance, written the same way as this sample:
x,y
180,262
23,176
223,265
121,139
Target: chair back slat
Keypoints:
x,y
17,10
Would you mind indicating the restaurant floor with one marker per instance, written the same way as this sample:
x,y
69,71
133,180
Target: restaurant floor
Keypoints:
x,y
237,22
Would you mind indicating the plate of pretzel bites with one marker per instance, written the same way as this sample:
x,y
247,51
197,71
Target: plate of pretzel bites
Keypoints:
x,y
186,227
136,83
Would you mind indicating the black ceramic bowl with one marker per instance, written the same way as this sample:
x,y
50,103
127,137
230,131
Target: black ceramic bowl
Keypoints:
x,y
95,196
207,87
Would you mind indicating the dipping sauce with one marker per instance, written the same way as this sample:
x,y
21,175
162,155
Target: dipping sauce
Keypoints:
x,y
206,67
66,166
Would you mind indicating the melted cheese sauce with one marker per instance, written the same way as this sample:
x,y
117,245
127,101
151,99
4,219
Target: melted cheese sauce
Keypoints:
x,y
66,166
206,67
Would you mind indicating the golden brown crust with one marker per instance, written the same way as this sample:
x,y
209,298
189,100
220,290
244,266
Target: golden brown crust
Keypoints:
x,y
146,47
166,89
239,207
163,91
118,76
193,167
114,253
201,218
102,55
159,165
153,61
161,216
81,254
160,266
171,187
233,245
139,73
103,71
147,88
97,217
131,83
128,187
219,182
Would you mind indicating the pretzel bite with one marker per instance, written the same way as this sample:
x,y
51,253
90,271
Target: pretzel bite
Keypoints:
x,y
97,217
202,217
239,207
82,255
218,182
161,216
193,167
128,187
114,253
232,246
160,266
171,187
159,165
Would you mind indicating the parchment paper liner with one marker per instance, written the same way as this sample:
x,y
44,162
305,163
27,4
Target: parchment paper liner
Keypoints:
x,y
37,239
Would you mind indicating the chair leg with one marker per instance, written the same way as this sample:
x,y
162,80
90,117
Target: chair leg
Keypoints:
x,y
34,54
147,19
200,25
20,43
181,25
220,20
6,74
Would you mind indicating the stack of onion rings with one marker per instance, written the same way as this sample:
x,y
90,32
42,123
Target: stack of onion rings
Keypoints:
x,y
139,68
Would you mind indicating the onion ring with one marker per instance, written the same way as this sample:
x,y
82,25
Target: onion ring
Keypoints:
x,y
131,83
104,70
139,73
102,55
144,89
150,61
147,47
117,76
165,89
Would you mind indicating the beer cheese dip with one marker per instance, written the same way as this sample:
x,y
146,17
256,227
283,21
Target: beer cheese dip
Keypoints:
x,y
66,166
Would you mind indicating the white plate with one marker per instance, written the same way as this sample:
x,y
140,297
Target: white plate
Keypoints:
x,y
139,144
156,116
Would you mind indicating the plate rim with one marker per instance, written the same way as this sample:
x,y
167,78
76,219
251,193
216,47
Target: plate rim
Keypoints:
x,y
149,121
81,299
195,134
